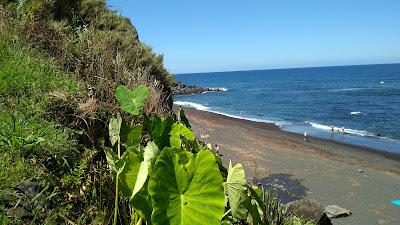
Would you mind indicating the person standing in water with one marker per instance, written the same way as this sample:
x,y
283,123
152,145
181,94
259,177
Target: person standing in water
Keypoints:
x,y
343,130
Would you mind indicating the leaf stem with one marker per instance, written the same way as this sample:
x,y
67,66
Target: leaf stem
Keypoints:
x,y
116,201
116,185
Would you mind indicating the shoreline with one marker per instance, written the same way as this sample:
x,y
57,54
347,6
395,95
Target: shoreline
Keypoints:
x,y
273,126
361,179
364,151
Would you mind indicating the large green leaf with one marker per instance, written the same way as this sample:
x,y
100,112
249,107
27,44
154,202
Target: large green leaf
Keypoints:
x,y
189,193
236,190
112,159
150,152
159,129
131,135
141,202
177,132
116,165
256,207
127,178
131,101
136,170
114,128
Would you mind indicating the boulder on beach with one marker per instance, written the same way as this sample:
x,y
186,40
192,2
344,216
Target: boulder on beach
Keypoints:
x,y
334,211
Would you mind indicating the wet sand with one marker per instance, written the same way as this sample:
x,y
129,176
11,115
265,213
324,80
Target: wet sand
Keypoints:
x,y
360,179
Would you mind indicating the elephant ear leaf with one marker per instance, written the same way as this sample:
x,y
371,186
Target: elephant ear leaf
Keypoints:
x,y
112,159
114,128
129,174
131,101
159,129
189,193
236,190
131,135
177,132
150,152
135,173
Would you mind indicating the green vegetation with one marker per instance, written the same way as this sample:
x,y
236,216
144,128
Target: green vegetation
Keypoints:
x,y
91,42
65,68
182,182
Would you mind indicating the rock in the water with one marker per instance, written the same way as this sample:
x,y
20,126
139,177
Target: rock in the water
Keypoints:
x,y
183,89
334,211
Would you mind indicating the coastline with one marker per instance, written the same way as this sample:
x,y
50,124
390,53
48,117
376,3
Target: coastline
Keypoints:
x,y
361,179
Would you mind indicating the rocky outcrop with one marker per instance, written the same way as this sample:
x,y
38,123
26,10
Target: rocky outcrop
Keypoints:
x,y
182,89
334,211
308,209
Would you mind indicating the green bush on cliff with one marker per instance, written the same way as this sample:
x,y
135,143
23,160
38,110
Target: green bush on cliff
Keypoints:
x,y
98,46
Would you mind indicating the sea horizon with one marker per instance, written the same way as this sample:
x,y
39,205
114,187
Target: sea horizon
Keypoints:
x,y
362,99
287,68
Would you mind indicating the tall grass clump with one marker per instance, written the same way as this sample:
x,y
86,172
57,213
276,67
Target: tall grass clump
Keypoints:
x,y
45,173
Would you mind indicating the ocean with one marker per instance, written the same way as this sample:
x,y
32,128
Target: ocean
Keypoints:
x,y
364,100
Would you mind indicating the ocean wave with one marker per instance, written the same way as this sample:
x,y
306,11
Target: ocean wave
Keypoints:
x,y
347,89
282,123
214,89
207,109
339,130
219,89
355,113
322,127
191,105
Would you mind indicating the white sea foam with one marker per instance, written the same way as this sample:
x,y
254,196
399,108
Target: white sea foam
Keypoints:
x,y
213,89
339,130
322,127
355,113
192,105
207,109
347,89
382,82
219,89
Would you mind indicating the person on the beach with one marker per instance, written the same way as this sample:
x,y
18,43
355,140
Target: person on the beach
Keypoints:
x,y
305,137
216,149
204,136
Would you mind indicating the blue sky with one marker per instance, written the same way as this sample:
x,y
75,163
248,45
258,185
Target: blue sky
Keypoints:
x,y
222,35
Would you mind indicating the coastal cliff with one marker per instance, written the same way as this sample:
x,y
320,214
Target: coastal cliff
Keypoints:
x,y
179,88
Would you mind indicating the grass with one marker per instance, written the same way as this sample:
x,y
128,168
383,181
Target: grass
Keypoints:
x,y
25,84
31,147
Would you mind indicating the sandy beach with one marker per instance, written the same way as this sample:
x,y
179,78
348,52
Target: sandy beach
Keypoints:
x,y
360,179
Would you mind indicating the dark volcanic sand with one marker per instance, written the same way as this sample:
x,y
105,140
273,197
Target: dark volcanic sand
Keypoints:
x,y
360,179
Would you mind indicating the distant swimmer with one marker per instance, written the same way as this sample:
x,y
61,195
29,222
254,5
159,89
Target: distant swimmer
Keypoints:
x,y
332,129
305,137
